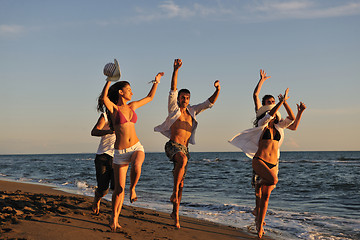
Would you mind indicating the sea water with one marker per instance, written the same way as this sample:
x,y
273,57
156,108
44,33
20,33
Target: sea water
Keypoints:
x,y
317,197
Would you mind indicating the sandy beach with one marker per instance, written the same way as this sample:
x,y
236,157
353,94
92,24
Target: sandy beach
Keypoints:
x,y
32,211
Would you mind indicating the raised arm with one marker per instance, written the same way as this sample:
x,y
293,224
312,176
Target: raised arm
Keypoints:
x,y
290,113
257,89
98,129
108,103
151,94
177,65
301,108
215,95
282,99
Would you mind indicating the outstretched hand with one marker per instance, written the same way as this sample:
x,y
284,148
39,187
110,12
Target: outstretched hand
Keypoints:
x,y
217,84
158,77
263,76
301,107
177,64
285,97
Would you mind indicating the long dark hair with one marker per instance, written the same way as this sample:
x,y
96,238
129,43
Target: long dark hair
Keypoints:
x,y
256,121
258,118
114,90
113,95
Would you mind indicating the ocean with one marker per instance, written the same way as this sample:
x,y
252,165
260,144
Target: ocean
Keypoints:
x,y
317,197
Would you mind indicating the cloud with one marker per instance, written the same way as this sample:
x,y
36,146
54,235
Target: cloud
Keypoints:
x,y
170,10
268,6
250,11
10,30
165,10
343,10
281,9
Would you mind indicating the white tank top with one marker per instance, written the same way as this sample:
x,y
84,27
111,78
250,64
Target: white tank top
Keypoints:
x,y
107,141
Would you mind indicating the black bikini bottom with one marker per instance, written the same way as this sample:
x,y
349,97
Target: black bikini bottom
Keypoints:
x,y
267,164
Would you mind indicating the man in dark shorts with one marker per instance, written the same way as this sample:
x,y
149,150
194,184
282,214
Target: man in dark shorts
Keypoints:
x,y
180,127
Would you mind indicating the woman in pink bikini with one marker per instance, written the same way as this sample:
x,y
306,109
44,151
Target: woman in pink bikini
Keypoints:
x,y
127,147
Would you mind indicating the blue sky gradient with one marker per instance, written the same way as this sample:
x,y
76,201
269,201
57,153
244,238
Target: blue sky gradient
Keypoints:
x,y
53,54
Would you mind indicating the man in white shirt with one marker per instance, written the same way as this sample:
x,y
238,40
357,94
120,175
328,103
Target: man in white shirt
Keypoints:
x,y
180,127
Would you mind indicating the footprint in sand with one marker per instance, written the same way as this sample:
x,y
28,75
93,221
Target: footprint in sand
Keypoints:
x,y
5,230
65,220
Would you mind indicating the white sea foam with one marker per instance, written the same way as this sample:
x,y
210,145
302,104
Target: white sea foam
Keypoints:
x,y
24,179
279,224
81,185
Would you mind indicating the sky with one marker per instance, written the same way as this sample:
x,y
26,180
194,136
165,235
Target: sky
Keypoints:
x,y
52,55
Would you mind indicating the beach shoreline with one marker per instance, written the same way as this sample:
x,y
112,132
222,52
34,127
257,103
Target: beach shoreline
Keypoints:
x,y
34,211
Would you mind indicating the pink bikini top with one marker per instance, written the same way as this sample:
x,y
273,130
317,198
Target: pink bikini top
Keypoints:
x,y
120,118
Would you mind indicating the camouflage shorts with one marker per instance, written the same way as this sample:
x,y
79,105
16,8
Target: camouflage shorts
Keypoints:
x,y
172,148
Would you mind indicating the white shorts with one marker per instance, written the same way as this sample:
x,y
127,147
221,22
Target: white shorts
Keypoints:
x,y
123,156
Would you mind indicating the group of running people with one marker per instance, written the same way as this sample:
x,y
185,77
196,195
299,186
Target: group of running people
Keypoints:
x,y
120,146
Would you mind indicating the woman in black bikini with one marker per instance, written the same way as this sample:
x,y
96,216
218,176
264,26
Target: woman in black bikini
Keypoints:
x,y
265,161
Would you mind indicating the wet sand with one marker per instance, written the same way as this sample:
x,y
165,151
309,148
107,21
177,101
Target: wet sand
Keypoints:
x,y
32,211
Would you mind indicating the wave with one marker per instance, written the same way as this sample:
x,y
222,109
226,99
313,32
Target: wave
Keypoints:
x,y
85,159
280,224
348,159
315,161
218,207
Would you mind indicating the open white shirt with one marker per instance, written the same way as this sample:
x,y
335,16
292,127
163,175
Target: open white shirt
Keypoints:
x,y
175,113
248,140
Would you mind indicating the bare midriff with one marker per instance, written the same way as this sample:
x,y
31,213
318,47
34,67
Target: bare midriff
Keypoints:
x,y
125,135
181,129
268,150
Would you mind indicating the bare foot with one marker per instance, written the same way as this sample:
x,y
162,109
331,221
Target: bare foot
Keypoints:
x,y
260,230
96,208
133,197
176,220
254,212
114,226
174,198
